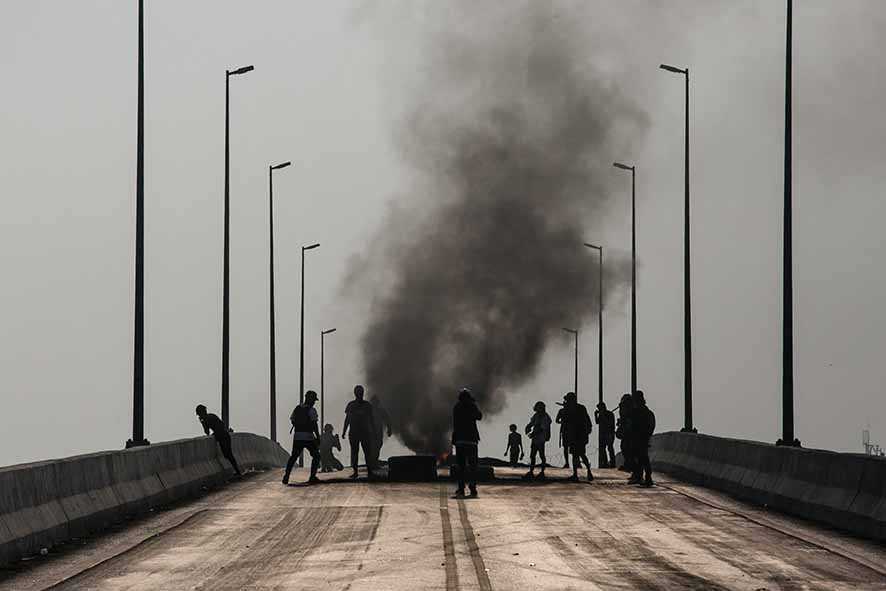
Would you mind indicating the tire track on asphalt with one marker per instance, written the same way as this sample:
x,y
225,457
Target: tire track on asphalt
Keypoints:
x,y
448,544
473,549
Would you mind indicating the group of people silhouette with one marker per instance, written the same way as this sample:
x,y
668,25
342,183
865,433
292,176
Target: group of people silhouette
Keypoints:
x,y
366,424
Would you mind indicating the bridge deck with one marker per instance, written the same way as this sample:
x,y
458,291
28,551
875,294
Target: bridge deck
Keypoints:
x,y
257,534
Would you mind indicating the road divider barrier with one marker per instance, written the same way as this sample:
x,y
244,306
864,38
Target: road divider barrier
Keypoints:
x,y
45,503
846,491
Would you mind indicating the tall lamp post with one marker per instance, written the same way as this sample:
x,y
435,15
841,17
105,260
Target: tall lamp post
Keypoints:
x,y
633,170
787,384
574,332
138,359
273,368
687,304
226,349
602,460
323,334
301,347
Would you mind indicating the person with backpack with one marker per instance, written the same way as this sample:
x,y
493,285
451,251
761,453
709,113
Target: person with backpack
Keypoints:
x,y
539,432
643,420
578,430
306,434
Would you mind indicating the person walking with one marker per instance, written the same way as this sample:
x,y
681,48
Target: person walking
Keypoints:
x,y
578,430
305,436
539,432
466,440
210,421
605,418
358,416
643,428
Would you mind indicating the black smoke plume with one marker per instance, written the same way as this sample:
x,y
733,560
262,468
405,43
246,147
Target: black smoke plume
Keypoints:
x,y
512,134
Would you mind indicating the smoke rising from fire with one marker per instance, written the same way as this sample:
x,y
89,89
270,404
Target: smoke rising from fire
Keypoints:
x,y
511,134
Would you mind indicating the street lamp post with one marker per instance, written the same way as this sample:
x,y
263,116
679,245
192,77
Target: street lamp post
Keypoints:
x,y
273,369
323,334
574,332
602,460
687,307
301,347
787,385
633,170
138,359
226,350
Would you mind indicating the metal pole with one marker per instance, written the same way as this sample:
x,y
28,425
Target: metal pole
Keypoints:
x,y
273,369
687,299
576,364
301,347
633,279
226,263
787,292
322,377
600,330
138,364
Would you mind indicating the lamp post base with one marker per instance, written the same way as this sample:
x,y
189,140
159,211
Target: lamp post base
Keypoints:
x,y
688,430
141,443
783,443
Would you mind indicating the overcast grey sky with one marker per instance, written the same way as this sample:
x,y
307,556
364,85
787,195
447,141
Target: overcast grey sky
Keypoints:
x,y
332,82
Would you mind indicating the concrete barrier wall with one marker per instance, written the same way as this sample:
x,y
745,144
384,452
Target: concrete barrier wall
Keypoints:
x,y
44,503
847,491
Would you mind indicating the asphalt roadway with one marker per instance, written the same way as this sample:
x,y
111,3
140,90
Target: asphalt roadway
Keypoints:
x,y
257,534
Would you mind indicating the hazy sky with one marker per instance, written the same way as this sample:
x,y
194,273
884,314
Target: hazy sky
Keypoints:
x,y
333,80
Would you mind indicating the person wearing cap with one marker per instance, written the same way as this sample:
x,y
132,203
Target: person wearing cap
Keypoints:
x,y
210,421
605,418
306,434
466,439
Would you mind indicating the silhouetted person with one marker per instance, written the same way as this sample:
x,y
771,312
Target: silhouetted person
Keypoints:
x,y
306,435
220,433
539,432
578,430
605,418
358,416
623,432
329,441
381,421
466,439
561,441
515,446
643,421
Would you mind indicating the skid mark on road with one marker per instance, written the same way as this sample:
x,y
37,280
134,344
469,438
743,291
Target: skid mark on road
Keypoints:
x,y
473,549
448,543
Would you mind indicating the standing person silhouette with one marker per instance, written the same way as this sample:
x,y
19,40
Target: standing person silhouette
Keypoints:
x,y
606,419
578,430
561,418
358,416
539,432
624,431
306,436
466,439
211,421
643,428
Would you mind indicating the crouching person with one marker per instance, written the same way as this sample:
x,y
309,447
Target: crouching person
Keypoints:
x,y
306,434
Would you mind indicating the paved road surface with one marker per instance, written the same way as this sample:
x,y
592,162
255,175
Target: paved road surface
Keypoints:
x,y
258,535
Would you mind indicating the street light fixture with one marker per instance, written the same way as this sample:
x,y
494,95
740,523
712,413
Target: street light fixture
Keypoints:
x,y
633,271
273,368
687,303
226,280
323,334
575,332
